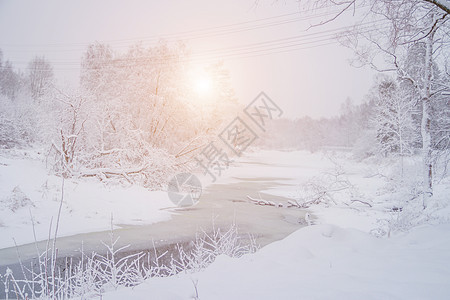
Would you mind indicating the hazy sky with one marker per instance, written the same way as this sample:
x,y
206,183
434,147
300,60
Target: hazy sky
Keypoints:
x,y
312,81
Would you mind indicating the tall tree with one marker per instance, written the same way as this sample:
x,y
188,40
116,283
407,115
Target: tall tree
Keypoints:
x,y
392,119
40,77
385,47
10,84
10,80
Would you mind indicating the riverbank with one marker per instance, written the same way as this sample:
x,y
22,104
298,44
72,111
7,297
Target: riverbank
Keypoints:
x,y
142,218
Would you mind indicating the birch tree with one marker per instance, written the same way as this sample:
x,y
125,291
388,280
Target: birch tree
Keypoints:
x,y
404,24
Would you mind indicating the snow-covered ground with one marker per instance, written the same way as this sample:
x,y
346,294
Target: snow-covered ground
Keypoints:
x,y
350,253
319,262
370,182
27,192
364,249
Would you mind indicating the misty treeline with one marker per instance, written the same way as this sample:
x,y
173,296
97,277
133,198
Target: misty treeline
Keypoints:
x,y
387,123
134,116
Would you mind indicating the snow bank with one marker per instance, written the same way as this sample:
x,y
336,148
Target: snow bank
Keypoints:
x,y
320,262
339,261
26,189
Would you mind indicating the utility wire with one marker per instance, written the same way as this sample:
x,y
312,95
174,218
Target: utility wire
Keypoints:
x,y
218,53
186,35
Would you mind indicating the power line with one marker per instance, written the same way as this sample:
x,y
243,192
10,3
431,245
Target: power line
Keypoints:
x,y
218,53
232,56
189,35
296,38
281,45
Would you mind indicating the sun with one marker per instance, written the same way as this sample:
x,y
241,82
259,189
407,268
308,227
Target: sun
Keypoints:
x,y
203,85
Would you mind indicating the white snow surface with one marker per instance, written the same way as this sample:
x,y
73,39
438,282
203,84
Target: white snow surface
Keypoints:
x,y
320,262
88,204
338,258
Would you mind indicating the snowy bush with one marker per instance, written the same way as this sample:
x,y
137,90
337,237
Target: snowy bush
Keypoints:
x,y
330,187
19,123
91,275
207,246
16,200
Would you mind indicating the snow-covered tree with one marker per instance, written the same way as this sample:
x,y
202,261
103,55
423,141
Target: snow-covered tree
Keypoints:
x,y
385,47
10,80
392,119
40,77
142,115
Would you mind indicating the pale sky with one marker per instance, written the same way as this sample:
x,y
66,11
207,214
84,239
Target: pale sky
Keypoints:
x,y
312,81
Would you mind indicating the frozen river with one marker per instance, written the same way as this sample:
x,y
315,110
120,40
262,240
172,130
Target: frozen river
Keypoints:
x,y
220,205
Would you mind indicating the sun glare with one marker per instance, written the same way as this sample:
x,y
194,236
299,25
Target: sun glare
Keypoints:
x,y
203,85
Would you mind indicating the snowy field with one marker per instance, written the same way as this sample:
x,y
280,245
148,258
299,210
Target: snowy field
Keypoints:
x,y
353,252
29,194
320,262
371,248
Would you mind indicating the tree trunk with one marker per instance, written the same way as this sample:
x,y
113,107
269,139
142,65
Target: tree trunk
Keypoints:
x,y
426,123
426,152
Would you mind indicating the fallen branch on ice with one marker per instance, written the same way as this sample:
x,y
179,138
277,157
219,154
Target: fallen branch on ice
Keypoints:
x,y
360,201
261,201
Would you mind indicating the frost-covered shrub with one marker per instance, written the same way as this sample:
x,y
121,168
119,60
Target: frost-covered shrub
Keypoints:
x,y
92,275
208,246
146,166
16,200
18,123
330,187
